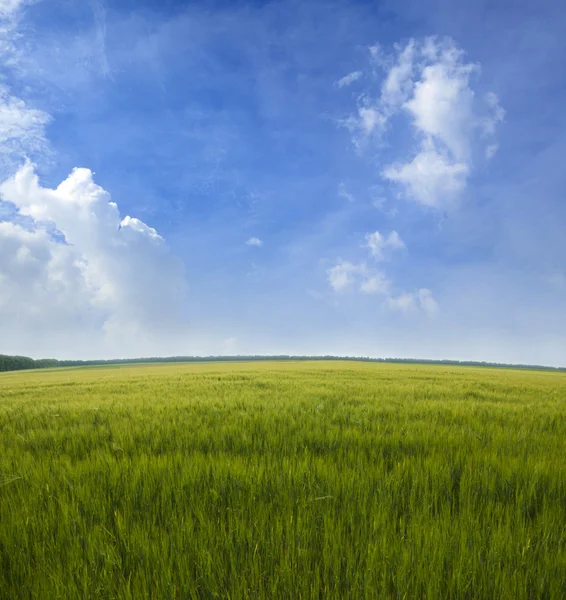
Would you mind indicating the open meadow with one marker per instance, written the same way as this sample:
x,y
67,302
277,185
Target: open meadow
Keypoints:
x,y
295,480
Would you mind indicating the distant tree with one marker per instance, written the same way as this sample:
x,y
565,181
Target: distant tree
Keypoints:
x,y
15,363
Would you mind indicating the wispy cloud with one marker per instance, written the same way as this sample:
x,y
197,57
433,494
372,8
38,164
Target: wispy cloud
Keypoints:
x,y
344,193
348,79
99,13
399,80
412,302
9,7
22,129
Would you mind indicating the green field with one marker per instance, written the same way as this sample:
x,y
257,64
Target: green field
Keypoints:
x,y
283,480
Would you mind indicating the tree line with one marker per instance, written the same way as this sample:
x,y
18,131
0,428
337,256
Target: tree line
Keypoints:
x,y
16,363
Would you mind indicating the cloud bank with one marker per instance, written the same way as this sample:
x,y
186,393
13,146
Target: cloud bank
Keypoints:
x,y
77,266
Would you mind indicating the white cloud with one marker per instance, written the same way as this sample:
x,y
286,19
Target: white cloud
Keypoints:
x,y
431,177
445,118
368,123
99,13
253,241
491,150
431,83
22,129
422,300
343,275
376,52
495,115
346,276
398,83
378,244
77,275
343,193
442,103
427,301
376,284
403,302
9,7
114,276
42,284
394,241
348,79
370,119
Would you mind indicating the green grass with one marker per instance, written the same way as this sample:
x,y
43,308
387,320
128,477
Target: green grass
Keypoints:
x,y
283,480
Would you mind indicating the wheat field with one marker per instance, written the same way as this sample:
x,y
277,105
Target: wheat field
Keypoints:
x,y
296,480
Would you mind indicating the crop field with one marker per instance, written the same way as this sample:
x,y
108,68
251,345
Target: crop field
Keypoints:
x,y
294,480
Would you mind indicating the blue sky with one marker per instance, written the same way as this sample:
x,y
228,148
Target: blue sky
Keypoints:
x,y
352,178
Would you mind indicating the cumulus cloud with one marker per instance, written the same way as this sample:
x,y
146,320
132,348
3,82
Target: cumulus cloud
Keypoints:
x,y
378,244
348,79
115,276
430,83
343,275
431,177
448,123
42,284
376,284
348,276
442,103
253,241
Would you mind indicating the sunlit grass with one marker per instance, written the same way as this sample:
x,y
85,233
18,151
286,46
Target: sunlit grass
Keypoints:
x,y
283,480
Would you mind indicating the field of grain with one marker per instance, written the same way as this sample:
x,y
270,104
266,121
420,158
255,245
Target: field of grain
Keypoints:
x,y
282,480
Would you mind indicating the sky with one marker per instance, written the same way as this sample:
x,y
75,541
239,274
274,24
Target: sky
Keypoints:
x,y
381,179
